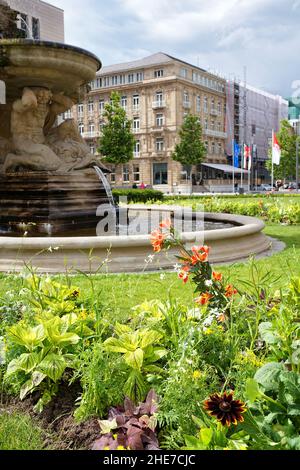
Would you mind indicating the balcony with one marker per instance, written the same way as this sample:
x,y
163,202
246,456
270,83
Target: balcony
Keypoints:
x,y
136,130
158,104
90,134
136,154
213,133
136,108
215,112
186,104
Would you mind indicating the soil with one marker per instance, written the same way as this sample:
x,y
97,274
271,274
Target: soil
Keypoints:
x,y
61,430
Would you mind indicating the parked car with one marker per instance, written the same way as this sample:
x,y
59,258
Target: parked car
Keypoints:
x,y
266,187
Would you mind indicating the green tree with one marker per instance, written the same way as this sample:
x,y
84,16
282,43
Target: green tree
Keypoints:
x,y
8,22
287,140
191,149
117,142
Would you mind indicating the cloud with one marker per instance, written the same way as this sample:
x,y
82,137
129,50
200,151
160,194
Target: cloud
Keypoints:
x,y
262,34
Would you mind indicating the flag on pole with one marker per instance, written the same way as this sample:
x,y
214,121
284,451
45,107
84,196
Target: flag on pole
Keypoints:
x,y
247,157
236,155
276,150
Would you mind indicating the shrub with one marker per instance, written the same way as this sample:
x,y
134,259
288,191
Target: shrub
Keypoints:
x,y
138,195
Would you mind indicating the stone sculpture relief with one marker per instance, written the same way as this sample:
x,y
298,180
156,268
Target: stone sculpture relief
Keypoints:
x,y
36,145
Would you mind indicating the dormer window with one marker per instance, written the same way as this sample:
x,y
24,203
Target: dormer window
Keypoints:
x,y
158,73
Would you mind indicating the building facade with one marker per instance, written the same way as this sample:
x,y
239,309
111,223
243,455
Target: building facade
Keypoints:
x,y
39,19
294,113
252,115
157,93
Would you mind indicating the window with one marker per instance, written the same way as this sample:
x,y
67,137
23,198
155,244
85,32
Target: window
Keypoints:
x,y
136,102
121,79
131,78
185,97
80,109
81,128
159,120
195,77
139,77
124,102
213,147
219,126
205,104
183,73
91,128
23,24
92,148
98,83
136,173
105,81
113,174
101,106
205,124
160,173
126,174
68,114
114,80
137,148
159,144
198,104
212,104
91,107
159,97
35,28
219,107
158,73
212,125
136,125
220,149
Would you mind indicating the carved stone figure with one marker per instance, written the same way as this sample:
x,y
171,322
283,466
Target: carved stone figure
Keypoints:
x,y
37,145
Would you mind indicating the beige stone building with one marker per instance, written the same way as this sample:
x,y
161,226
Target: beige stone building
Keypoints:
x,y
157,92
39,19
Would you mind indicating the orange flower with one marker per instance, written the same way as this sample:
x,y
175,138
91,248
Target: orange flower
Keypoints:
x,y
200,254
157,240
204,299
221,318
217,276
230,291
166,224
184,274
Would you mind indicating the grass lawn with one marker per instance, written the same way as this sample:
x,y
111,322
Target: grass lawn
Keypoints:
x,y
18,432
119,293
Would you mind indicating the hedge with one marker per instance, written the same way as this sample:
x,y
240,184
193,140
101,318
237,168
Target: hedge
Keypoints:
x,y
138,195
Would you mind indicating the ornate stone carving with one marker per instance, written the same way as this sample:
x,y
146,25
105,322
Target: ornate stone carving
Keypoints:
x,y
37,146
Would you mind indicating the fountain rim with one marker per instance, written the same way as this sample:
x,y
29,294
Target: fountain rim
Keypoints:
x,y
248,226
49,44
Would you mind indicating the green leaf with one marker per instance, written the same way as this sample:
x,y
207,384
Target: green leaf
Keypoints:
x,y
135,359
294,410
26,336
267,333
156,354
26,388
2,352
53,366
252,390
206,435
268,375
121,329
192,443
149,337
122,345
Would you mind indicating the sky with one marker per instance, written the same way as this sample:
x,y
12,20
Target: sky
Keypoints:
x,y
218,35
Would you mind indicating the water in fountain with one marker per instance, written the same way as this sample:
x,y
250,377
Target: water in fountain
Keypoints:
x,y
106,185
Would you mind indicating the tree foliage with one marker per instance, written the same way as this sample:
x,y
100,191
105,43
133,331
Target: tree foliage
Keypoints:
x,y
287,140
8,22
117,142
191,149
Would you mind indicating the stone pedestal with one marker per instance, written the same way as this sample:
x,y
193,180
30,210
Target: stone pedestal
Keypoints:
x,y
50,203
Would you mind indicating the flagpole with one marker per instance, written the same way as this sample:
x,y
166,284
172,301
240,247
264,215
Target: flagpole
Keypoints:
x,y
242,165
233,170
272,176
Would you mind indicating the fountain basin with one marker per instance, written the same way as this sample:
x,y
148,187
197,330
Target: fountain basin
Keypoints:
x,y
128,253
58,67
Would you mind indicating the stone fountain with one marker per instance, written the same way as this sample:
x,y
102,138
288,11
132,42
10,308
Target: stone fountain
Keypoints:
x,y
51,185
48,182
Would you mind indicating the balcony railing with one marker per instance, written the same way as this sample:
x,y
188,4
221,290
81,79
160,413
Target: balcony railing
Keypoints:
x,y
213,133
136,154
135,108
215,112
158,104
186,104
90,134
136,130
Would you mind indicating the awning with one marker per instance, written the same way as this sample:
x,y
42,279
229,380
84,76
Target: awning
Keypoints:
x,y
225,168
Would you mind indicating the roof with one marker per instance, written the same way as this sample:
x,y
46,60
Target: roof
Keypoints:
x,y
157,59
225,168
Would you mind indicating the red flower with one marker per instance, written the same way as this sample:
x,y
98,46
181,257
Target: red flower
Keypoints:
x,y
223,407
157,240
204,298
217,276
200,254
230,291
